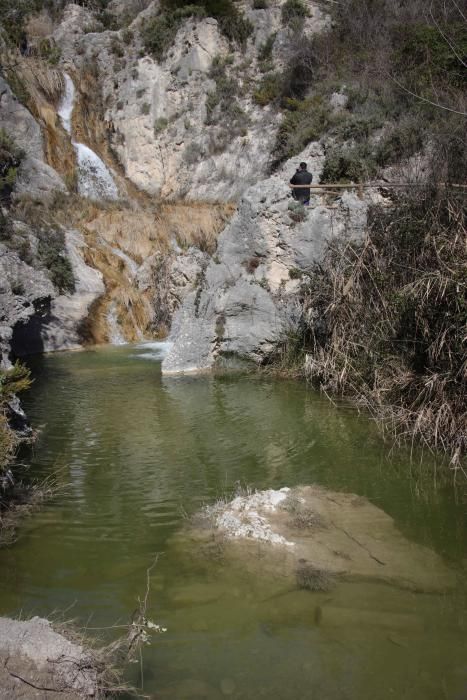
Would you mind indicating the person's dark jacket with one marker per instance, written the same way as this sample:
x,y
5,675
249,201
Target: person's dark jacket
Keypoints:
x,y
302,177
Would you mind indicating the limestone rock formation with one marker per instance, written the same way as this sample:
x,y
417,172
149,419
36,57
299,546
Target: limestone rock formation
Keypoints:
x,y
69,311
167,136
25,295
247,299
35,177
34,316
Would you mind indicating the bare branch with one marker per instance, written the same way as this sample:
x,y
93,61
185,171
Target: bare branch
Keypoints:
x,y
446,38
424,99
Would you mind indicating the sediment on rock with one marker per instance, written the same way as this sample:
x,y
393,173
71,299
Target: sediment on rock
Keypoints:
x,y
313,538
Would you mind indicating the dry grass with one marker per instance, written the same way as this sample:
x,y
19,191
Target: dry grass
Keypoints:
x,y
20,501
302,516
139,230
41,86
193,223
311,578
384,322
39,26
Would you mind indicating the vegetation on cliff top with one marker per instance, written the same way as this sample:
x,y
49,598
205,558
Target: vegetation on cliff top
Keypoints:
x,y
399,67
159,32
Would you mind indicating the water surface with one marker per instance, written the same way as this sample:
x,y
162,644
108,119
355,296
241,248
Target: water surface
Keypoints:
x,y
139,451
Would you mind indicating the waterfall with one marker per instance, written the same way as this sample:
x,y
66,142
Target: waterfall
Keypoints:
x,y
94,178
116,336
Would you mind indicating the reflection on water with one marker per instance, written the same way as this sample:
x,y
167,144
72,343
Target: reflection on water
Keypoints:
x,y
138,451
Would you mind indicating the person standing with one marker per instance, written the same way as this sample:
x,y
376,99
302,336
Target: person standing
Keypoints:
x,y
302,177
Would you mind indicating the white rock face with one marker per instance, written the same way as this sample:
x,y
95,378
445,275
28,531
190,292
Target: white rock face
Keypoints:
x,y
247,299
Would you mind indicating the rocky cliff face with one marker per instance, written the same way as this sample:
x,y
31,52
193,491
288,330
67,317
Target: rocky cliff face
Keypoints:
x,y
34,316
162,119
185,125
248,298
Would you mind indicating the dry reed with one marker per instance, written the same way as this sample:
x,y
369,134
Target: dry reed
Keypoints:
x,y
384,321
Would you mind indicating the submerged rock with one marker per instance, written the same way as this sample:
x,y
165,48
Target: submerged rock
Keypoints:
x,y
313,538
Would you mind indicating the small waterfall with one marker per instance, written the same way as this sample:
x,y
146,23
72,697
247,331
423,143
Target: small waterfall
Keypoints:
x,y
94,178
116,336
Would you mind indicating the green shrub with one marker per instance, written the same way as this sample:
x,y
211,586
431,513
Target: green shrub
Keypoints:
x,y
349,164
6,229
304,121
13,381
10,160
50,51
270,89
160,125
355,128
424,55
294,12
260,4
221,103
402,141
265,51
116,48
159,32
52,254
127,36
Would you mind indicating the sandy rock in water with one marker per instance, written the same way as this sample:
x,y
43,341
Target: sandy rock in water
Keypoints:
x,y
35,661
314,538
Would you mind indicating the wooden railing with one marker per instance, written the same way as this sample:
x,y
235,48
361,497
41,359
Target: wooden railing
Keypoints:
x,y
365,186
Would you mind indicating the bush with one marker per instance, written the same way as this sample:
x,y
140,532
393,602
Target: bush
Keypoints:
x,y
10,160
349,164
402,141
265,53
52,254
221,104
304,121
384,320
12,382
160,125
159,33
270,89
232,22
294,12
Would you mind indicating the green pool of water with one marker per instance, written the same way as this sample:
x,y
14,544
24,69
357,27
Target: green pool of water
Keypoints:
x,y
138,451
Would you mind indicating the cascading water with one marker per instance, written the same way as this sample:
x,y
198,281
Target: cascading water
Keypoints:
x,y
95,182
94,178
116,336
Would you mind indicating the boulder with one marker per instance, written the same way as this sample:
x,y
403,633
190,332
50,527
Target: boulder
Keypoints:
x,y
36,659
